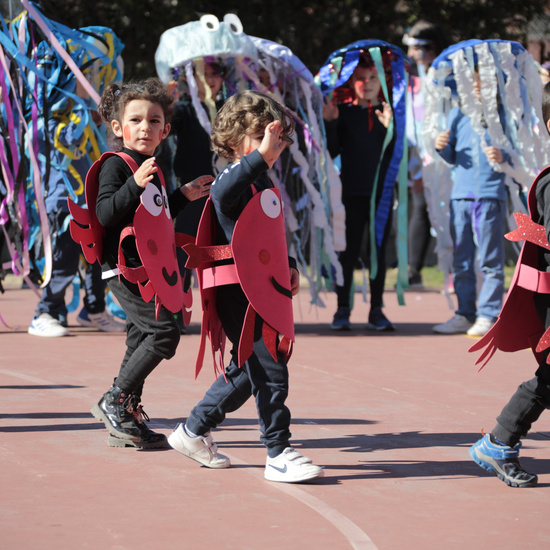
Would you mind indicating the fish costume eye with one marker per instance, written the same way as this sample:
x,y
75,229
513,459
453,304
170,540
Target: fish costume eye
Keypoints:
x,y
234,23
210,22
153,200
270,203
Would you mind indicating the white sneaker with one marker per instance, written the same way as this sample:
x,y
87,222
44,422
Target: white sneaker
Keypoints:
x,y
102,321
457,325
48,326
291,467
200,448
481,327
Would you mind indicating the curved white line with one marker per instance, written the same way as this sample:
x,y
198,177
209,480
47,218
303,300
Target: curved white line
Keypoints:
x,y
356,537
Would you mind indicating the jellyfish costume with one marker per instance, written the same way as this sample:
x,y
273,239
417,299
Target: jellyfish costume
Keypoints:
x,y
510,82
305,175
389,61
41,63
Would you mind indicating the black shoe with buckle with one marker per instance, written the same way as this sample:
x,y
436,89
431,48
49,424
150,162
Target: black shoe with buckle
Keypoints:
x,y
113,411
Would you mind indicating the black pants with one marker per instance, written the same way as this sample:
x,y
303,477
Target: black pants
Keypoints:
x,y
524,408
260,376
148,340
357,220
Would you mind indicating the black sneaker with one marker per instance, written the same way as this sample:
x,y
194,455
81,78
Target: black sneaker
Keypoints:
x,y
503,461
415,281
341,319
378,321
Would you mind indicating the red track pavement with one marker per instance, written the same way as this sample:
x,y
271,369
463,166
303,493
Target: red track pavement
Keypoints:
x,y
390,416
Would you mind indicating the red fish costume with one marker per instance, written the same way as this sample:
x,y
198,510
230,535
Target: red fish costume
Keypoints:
x,y
259,251
518,325
156,241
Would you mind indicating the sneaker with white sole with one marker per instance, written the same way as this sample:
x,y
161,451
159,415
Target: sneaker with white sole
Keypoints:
x,y
291,467
102,321
47,326
457,325
481,327
200,448
503,461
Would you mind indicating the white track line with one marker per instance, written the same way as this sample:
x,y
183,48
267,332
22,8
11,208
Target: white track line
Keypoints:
x,y
356,537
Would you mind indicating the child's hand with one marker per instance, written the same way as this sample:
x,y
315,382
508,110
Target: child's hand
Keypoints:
x,y
294,281
199,187
442,140
330,111
385,115
272,144
494,154
144,174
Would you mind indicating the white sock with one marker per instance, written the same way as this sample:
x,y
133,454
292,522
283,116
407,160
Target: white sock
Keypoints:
x,y
188,432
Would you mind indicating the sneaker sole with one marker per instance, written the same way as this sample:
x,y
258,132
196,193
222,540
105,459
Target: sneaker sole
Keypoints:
x,y
487,463
36,332
176,443
389,328
281,478
342,328
450,332
115,441
98,415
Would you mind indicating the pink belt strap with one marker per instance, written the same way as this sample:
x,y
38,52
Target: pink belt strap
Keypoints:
x,y
534,280
219,275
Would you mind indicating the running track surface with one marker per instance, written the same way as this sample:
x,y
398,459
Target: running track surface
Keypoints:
x,y
390,416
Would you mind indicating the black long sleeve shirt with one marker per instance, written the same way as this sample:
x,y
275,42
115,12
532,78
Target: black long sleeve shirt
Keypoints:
x,y
117,200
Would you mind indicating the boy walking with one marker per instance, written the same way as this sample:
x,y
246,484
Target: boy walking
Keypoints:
x,y
251,130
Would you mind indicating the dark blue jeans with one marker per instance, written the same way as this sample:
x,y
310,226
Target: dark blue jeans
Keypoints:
x,y
477,230
148,340
260,376
66,256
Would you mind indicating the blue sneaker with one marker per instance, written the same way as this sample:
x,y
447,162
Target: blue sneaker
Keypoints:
x,y
378,321
341,319
503,461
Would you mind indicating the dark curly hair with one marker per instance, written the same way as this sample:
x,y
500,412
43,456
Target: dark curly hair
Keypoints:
x,y
115,98
247,113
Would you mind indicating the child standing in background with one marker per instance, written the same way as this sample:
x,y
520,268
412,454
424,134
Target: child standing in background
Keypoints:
x,y
251,130
138,115
478,206
357,132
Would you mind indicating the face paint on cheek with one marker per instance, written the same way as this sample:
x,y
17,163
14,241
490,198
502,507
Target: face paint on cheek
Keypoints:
x,y
127,133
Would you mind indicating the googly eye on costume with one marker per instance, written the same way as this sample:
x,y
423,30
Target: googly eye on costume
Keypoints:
x,y
210,22
153,200
234,23
271,205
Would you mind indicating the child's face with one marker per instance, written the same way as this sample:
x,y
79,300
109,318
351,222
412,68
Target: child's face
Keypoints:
x,y
366,85
248,144
423,55
213,78
142,127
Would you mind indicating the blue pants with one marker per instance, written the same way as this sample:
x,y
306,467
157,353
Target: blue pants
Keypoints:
x,y
260,376
477,229
66,256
